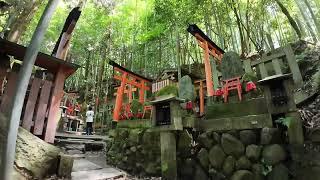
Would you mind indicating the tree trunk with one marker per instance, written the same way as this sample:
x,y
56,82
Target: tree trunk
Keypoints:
x,y
316,22
20,22
306,19
291,20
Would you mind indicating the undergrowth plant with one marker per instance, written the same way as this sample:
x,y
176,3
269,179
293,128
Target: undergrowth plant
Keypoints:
x,y
316,81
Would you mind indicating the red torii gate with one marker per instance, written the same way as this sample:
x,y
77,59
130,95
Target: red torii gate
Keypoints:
x,y
210,48
131,78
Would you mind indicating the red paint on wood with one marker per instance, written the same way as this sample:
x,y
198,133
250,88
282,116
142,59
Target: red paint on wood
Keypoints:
x,y
42,108
53,116
31,103
8,91
119,98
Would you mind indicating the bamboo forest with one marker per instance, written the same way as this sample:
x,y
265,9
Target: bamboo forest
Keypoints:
x,y
160,89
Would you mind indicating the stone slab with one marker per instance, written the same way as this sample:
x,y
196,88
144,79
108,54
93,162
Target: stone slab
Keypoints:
x,y
84,165
99,174
236,123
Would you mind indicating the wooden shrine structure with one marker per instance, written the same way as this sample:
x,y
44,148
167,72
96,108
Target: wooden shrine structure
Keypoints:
x,y
127,77
41,111
41,108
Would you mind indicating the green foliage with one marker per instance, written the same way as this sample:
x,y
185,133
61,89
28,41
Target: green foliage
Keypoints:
x,y
284,121
266,168
168,90
250,77
316,80
136,106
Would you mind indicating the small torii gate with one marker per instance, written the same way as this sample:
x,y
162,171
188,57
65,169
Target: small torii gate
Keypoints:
x,y
128,77
210,49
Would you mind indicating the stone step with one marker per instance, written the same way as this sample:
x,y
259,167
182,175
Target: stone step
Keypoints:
x,y
80,145
84,165
98,174
87,137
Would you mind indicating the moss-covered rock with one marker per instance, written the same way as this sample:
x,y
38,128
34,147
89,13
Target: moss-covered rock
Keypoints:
x,y
253,152
231,145
229,165
243,163
216,156
273,154
203,157
242,175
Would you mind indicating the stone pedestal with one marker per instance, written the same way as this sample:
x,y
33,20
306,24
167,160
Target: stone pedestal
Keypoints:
x,y
168,155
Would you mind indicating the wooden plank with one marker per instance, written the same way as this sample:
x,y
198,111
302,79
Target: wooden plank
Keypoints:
x,y
266,58
276,66
8,91
31,103
42,108
263,71
296,74
54,106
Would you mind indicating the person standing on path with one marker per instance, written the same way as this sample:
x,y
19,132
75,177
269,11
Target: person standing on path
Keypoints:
x,y
89,120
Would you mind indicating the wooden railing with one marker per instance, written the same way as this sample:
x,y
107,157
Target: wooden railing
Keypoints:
x,y
277,58
161,84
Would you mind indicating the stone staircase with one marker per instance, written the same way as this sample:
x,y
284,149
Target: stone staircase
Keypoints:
x,y
89,157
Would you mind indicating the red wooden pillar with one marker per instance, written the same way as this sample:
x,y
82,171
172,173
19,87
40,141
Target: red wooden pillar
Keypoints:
x,y
130,93
53,115
141,92
201,98
119,98
207,66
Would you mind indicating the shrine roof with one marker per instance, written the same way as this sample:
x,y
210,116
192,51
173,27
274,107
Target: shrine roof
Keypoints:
x,y
116,65
50,63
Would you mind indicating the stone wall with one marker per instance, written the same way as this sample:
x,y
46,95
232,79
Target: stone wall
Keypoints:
x,y
234,155
135,150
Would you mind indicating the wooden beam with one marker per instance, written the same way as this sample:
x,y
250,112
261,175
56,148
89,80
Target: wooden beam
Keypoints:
x,y
53,116
42,108
134,83
208,70
31,103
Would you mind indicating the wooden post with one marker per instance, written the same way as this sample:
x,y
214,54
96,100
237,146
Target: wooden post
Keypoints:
x,y
208,70
276,66
168,155
247,66
119,98
13,114
141,92
296,74
53,116
201,95
263,70
295,131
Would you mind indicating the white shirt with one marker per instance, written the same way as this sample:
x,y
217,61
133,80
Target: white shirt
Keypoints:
x,y
89,115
